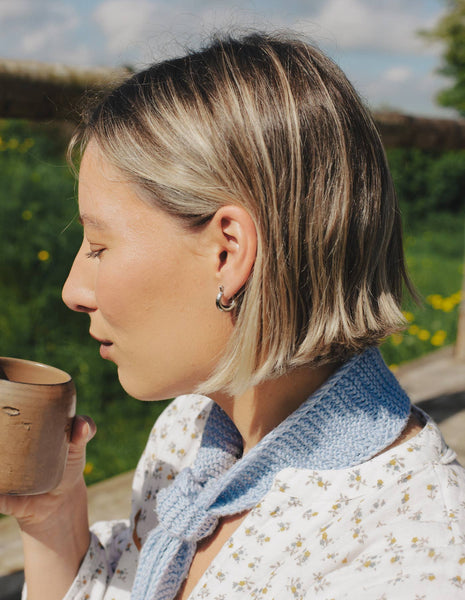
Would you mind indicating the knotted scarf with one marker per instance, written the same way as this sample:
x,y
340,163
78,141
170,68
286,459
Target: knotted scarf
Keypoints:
x,y
355,414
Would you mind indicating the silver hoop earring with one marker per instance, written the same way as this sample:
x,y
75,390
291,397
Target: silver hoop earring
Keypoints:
x,y
220,305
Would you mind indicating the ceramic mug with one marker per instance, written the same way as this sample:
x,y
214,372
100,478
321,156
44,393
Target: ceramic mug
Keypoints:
x,y
37,407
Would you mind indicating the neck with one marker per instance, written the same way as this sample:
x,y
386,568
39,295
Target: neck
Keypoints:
x,y
262,408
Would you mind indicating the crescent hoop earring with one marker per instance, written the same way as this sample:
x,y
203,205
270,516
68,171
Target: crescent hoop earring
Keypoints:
x,y
219,303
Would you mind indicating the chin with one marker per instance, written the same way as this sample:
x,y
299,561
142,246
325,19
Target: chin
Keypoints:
x,y
145,395
149,394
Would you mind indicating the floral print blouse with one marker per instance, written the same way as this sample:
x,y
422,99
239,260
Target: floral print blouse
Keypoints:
x,y
390,528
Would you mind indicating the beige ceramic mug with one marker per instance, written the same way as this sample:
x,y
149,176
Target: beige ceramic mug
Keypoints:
x,y
37,406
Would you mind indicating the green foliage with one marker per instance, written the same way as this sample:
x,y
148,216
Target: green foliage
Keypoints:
x,y
446,182
428,182
408,169
450,31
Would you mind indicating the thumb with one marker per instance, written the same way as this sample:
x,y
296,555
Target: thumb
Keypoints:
x,y
83,431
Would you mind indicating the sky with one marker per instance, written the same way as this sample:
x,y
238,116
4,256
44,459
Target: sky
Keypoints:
x,y
375,42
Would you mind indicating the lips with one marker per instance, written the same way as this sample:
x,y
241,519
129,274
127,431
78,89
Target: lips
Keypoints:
x,y
105,350
102,341
105,346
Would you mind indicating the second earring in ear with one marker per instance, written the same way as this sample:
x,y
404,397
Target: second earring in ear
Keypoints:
x,y
219,302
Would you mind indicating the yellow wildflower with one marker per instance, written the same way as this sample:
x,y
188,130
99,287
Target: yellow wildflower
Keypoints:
x,y
439,338
424,335
435,300
88,468
448,305
43,255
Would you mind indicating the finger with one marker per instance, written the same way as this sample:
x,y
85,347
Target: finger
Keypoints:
x,y
83,431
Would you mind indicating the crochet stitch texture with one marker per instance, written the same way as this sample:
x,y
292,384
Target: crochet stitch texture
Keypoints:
x,y
355,414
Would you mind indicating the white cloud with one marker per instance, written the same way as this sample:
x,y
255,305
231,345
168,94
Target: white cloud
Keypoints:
x,y
402,89
399,74
142,30
124,21
18,9
149,29
51,32
41,29
363,24
134,27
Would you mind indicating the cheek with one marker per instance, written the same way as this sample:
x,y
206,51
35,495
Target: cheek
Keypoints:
x,y
115,289
129,288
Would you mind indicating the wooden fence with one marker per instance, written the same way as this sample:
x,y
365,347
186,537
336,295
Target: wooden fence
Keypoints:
x,y
55,92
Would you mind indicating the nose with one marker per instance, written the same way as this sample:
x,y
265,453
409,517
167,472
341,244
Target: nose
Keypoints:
x,y
78,291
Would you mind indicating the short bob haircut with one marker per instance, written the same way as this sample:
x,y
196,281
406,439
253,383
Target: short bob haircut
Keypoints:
x,y
269,123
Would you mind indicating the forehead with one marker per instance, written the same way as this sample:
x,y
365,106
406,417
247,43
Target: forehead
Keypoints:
x,y
103,192
109,202
96,172
88,220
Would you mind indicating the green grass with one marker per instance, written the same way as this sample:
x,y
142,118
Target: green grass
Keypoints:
x,y
435,258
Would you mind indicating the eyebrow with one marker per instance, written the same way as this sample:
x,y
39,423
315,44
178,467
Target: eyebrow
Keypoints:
x,y
91,221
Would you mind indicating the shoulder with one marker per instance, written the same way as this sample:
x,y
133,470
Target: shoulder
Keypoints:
x,y
391,527
419,478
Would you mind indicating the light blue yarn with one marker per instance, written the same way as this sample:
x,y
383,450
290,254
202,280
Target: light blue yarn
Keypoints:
x,y
359,411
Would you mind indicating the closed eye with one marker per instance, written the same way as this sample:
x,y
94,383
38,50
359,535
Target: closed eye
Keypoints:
x,y
94,253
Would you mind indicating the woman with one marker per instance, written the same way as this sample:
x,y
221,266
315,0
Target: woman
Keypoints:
x,y
242,251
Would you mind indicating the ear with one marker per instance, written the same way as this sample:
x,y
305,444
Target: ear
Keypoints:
x,y
235,238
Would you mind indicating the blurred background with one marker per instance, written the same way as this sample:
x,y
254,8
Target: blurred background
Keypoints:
x,y
405,58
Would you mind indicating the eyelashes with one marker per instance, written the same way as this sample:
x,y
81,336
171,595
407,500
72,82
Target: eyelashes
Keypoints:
x,y
94,253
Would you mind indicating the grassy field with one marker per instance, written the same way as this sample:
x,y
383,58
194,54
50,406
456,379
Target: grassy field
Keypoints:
x,y
435,258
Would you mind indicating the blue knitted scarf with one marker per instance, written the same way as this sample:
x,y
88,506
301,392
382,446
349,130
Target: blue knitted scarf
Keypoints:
x,y
355,414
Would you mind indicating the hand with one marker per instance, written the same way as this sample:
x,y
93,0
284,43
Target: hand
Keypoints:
x,y
32,511
54,526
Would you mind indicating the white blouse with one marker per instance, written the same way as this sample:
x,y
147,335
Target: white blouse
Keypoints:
x,y
392,528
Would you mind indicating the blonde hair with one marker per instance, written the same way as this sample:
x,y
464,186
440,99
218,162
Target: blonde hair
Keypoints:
x,y
270,123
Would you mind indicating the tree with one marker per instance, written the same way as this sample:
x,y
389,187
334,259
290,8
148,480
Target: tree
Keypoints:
x,y
450,31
